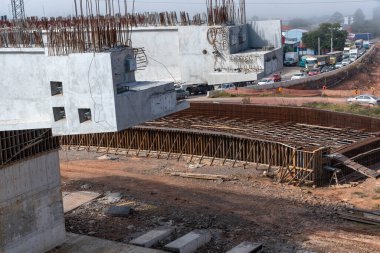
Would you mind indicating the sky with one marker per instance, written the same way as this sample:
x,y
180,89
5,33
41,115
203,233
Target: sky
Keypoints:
x,y
277,9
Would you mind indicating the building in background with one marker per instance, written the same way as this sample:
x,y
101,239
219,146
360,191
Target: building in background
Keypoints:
x,y
293,42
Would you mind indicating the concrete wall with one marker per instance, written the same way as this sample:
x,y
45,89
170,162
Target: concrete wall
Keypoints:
x,y
90,81
31,210
195,53
186,53
265,33
146,102
161,45
22,76
273,61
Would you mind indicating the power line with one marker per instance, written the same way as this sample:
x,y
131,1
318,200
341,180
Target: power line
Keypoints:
x,y
266,3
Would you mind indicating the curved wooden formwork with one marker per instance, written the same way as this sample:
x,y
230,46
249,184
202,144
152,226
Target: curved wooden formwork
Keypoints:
x,y
292,142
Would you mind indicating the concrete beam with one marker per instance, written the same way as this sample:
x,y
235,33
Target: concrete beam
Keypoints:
x,y
246,247
190,242
152,237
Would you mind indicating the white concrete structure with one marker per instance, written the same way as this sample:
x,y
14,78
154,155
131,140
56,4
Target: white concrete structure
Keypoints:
x,y
78,93
184,53
31,211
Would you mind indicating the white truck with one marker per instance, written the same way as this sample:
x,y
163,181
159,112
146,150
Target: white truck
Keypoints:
x,y
354,54
346,52
291,58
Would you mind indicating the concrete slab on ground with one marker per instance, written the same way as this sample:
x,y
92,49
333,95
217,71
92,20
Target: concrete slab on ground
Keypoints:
x,y
74,200
190,242
86,244
152,237
246,247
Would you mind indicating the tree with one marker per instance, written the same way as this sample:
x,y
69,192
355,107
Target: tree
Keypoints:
x,y
337,17
324,32
299,23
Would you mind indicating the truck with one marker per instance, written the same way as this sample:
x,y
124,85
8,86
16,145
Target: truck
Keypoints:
x,y
346,52
353,54
359,43
335,57
302,62
363,36
317,61
366,44
291,59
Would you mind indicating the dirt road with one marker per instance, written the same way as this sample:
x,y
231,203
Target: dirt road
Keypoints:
x,y
296,101
251,207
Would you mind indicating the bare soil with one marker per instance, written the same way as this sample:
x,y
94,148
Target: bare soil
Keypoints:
x,y
368,78
249,207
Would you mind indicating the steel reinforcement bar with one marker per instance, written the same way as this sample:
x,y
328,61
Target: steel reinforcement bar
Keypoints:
x,y
287,114
289,163
23,144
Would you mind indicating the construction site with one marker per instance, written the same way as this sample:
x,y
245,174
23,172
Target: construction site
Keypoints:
x,y
97,154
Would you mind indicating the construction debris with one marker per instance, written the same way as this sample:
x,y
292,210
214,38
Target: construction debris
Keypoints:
x,y
119,211
200,176
73,200
362,216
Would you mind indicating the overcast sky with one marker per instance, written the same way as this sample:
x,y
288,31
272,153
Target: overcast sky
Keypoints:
x,y
280,9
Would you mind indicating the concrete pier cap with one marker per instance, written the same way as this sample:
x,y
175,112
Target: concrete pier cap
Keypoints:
x,y
79,93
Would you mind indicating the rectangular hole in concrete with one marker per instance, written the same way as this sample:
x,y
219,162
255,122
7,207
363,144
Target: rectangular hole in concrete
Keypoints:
x,y
59,113
84,115
56,88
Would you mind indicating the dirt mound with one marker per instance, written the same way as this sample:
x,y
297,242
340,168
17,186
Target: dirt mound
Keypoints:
x,y
367,79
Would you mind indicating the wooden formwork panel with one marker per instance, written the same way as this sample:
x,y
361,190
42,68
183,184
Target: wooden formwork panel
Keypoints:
x,y
295,165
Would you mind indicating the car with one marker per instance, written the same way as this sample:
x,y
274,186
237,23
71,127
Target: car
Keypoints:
x,y
298,76
346,62
314,72
364,99
338,65
199,89
325,69
181,94
276,78
265,81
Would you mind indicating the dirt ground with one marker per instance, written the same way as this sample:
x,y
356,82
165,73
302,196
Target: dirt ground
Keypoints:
x,y
249,207
292,101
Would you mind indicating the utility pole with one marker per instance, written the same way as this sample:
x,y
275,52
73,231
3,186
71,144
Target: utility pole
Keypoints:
x,y
332,41
18,10
319,45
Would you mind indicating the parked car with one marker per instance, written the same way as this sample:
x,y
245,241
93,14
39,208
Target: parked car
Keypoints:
x,y
314,72
182,94
338,65
364,99
325,69
346,62
276,78
265,81
298,76
199,89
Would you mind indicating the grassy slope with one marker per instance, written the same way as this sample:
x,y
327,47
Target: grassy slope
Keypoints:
x,y
349,108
